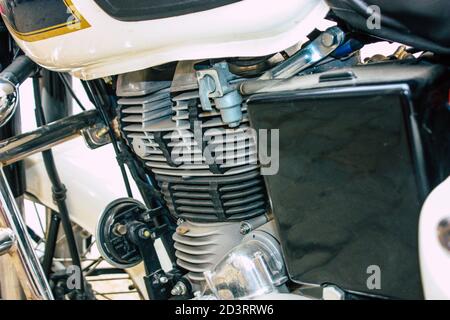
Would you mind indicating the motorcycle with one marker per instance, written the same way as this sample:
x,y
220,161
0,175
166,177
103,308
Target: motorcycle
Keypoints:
x,y
238,149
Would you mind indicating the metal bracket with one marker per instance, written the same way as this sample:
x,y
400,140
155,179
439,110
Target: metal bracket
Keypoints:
x,y
316,51
157,282
96,136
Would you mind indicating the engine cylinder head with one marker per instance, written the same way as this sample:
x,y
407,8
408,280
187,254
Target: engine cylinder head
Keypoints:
x,y
206,170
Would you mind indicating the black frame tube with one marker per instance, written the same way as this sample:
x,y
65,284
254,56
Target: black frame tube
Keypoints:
x,y
97,93
50,243
94,93
58,189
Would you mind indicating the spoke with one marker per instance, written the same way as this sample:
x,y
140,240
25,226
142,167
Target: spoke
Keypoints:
x,y
101,295
119,292
109,279
88,249
90,268
39,218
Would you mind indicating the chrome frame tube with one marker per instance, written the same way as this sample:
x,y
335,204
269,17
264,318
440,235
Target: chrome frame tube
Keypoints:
x,y
22,254
19,246
46,137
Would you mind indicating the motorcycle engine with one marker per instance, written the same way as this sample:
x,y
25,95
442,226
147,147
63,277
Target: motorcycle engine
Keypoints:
x,y
203,155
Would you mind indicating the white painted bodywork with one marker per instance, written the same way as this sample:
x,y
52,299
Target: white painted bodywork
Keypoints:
x,y
434,258
110,46
92,178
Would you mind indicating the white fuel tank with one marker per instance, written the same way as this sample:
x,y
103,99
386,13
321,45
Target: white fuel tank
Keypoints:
x,y
80,37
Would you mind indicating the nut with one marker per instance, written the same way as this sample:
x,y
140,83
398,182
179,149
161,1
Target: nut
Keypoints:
x,y
120,229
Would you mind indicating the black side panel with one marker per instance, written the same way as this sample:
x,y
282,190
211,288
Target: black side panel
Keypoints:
x,y
353,176
138,10
423,24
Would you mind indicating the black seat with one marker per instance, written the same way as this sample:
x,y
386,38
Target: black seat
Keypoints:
x,y
423,24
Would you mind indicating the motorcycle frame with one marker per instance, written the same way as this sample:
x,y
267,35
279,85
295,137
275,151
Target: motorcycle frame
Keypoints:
x,y
12,150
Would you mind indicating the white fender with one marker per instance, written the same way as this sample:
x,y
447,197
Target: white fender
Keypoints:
x,y
434,258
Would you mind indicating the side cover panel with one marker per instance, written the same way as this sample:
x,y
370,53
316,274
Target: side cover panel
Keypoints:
x,y
357,159
345,198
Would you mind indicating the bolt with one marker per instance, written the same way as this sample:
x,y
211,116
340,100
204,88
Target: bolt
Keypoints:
x,y
246,228
102,132
163,280
328,39
179,289
120,229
